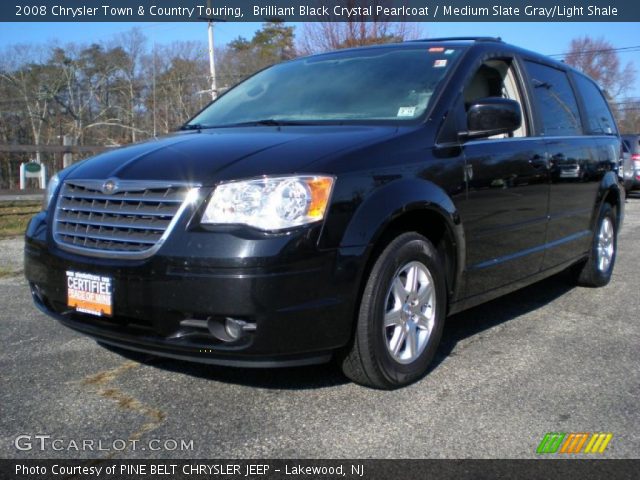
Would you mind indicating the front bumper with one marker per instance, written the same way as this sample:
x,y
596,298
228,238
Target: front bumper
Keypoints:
x,y
300,299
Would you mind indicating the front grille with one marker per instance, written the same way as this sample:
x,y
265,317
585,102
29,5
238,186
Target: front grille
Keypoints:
x,y
131,219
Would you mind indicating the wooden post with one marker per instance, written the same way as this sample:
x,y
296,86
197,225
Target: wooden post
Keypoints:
x,y
67,157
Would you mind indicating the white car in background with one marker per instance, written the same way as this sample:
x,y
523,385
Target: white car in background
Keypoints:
x,y
631,161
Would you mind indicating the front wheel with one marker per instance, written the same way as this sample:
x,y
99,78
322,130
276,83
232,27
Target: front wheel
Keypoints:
x,y
401,315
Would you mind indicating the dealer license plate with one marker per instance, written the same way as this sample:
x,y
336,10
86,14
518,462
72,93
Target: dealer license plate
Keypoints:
x,y
89,293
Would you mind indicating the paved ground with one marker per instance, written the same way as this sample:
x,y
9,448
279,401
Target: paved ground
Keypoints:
x,y
547,358
10,260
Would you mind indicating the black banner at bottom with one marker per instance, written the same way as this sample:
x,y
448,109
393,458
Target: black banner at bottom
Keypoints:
x,y
204,469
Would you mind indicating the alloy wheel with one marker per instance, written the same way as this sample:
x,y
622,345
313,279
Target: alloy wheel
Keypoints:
x,y
410,312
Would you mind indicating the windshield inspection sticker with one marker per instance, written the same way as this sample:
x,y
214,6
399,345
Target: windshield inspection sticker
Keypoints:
x,y
440,63
449,51
406,111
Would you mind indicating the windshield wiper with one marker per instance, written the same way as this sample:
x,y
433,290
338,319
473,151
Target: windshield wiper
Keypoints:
x,y
194,126
274,122
269,122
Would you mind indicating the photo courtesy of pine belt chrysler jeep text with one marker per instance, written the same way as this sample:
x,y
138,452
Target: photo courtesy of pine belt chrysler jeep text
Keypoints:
x,y
337,206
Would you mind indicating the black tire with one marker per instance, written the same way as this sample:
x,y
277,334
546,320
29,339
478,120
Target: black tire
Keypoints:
x,y
369,360
590,273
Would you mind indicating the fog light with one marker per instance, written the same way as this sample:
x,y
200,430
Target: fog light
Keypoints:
x,y
229,329
234,328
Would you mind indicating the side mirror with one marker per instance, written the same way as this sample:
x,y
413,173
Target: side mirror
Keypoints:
x,y
492,116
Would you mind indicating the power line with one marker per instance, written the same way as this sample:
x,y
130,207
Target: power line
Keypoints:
x,y
634,48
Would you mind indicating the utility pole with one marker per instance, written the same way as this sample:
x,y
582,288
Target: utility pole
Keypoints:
x,y
67,157
212,65
154,89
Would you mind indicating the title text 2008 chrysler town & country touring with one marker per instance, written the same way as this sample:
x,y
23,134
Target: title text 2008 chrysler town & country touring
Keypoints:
x,y
339,205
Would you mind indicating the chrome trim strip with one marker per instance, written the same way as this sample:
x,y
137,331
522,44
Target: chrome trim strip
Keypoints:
x,y
116,198
129,185
108,238
521,253
113,211
139,225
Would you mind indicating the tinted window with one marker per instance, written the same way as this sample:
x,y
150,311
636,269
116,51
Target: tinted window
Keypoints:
x,y
599,119
555,100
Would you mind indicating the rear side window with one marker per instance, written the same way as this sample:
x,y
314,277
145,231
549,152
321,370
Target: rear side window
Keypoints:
x,y
599,118
555,100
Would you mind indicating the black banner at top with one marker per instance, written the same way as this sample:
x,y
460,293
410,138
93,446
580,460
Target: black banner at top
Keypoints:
x,y
320,10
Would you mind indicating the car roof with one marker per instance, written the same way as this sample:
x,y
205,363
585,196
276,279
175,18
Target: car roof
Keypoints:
x,y
471,41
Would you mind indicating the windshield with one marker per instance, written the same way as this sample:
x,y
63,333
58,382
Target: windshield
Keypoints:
x,y
392,84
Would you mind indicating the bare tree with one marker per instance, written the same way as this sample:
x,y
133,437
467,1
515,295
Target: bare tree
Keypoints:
x,y
358,30
628,115
133,42
85,73
181,72
273,43
33,84
598,59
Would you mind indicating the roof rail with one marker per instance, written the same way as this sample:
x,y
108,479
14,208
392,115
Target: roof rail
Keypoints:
x,y
445,39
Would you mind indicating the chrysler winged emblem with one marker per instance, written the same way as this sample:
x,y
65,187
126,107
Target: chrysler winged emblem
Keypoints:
x,y
110,186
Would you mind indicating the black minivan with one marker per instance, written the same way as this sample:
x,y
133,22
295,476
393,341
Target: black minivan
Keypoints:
x,y
337,206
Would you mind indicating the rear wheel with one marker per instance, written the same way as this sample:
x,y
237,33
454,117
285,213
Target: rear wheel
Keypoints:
x,y
597,270
401,315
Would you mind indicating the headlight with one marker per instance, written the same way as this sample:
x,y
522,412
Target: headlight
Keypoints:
x,y
52,186
270,203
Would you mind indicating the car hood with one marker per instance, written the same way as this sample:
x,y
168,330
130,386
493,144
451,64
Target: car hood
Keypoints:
x,y
210,156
